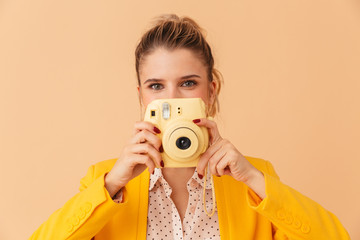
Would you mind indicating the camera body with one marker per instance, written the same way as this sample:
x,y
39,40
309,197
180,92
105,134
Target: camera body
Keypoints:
x,y
182,140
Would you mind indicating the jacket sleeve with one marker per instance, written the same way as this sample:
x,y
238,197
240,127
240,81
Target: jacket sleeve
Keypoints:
x,y
293,215
84,214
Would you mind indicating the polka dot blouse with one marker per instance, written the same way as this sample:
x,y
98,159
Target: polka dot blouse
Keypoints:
x,y
163,221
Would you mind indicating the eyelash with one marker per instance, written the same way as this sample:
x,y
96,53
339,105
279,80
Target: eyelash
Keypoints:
x,y
193,83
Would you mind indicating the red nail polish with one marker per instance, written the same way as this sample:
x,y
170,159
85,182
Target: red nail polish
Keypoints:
x,y
161,149
196,120
153,172
200,176
157,130
162,163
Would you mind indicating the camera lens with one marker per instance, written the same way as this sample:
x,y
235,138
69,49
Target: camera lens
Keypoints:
x,y
183,143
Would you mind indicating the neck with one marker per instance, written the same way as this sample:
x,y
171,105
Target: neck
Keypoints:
x,y
177,177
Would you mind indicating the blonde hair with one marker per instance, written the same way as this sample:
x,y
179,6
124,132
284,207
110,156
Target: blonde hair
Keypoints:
x,y
170,31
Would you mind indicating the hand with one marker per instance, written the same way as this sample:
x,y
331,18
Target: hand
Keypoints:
x,y
141,152
225,159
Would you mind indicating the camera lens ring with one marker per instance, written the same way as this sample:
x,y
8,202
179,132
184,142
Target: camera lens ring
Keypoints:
x,y
177,130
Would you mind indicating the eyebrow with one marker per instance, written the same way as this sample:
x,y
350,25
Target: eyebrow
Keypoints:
x,y
182,78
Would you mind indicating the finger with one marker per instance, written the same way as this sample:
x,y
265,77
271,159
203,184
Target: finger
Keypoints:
x,y
214,161
147,149
146,136
206,156
146,160
222,166
142,125
211,126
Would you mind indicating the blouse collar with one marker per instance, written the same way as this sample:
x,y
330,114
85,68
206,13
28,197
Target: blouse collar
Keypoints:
x,y
158,176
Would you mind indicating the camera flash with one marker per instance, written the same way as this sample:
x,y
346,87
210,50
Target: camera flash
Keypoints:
x,y
166,110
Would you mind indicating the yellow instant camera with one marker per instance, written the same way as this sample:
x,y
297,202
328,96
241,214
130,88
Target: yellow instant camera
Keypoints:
x,y
182,140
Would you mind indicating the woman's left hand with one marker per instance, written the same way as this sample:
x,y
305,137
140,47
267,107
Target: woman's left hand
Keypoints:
x,y
225,159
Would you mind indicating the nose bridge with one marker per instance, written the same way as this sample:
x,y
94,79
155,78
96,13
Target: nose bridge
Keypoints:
x,y
173,91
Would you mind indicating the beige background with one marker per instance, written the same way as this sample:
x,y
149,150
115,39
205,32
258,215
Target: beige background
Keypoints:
x,y
68,97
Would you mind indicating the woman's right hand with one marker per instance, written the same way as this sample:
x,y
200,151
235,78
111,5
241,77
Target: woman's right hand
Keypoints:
x,y
141,152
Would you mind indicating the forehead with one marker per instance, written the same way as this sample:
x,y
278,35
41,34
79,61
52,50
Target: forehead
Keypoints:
x,y
168,64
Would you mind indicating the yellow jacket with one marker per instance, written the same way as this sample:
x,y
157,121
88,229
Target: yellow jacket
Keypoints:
x,y
283,214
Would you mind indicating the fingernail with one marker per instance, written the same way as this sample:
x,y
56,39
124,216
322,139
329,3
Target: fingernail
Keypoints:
x,y
200,176
157,130
162,163
196,120
153,172
161,149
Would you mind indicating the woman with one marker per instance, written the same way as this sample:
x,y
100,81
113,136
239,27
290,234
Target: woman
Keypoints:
x,y
118,199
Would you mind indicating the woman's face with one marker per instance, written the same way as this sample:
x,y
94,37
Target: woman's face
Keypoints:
x,y
174,74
